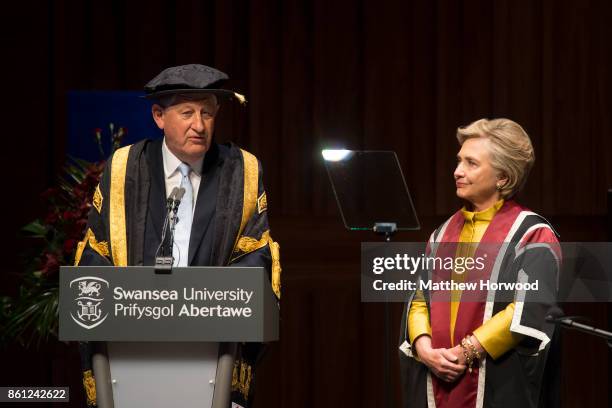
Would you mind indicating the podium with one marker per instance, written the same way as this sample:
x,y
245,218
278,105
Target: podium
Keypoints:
x,y
165,339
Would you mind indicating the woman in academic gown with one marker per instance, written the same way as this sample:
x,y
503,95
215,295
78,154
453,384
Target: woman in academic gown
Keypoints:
x,y
485,348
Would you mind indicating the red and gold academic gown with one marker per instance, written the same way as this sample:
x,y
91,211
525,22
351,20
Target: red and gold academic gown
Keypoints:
x,y
519,246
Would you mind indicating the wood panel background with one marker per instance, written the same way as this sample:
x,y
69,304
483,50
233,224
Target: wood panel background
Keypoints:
x,y
391,75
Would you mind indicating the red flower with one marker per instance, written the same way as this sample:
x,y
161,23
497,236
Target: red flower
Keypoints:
x,y
69,246
69,215
51,217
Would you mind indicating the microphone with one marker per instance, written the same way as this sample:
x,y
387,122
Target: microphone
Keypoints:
x,y
171,197
163,262
555,315
169,203
178,197
174,219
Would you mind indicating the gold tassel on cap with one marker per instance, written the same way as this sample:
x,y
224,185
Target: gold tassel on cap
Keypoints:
x,y
241,98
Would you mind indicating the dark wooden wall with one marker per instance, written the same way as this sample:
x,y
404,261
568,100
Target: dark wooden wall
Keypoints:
x,y
365,74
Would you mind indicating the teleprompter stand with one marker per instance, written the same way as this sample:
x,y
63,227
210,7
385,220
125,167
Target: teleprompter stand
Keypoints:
x,y
372,195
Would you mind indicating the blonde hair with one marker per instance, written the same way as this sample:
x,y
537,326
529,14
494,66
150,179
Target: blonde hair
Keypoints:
x,y
511,151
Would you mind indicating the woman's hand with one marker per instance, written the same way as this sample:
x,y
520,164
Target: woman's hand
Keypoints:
x,y
442,362
457,352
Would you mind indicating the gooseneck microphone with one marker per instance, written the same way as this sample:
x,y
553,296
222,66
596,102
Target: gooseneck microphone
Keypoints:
x,y
163,254
174,219
169,204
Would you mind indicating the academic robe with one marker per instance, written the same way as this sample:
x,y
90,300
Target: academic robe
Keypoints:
x,y
531,252
230,227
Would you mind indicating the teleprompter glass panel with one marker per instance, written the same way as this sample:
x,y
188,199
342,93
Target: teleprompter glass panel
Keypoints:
x,y
370,188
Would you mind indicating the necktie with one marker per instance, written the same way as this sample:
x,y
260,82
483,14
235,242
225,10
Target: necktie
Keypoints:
x,y
182,232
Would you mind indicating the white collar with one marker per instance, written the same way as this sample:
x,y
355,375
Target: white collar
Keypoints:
x,y
171,162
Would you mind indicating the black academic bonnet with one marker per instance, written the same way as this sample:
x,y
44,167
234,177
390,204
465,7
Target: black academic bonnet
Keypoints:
x,y
190,79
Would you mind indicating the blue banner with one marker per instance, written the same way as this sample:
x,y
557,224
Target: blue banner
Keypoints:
x,y
91,110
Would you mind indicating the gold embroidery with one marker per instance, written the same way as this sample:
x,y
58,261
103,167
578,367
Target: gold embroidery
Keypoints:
x,y
243,367
97,199
247,245
262,203
276,268
246,385
117,207
242,376
81,248
100,247
251,181
235,376
90,387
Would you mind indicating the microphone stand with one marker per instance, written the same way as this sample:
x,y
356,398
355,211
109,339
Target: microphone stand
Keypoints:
x,y
175,219
164,258
566,322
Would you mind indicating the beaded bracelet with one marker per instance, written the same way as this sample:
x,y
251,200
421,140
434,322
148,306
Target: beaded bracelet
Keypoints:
x,y
473,348
466,354
470,352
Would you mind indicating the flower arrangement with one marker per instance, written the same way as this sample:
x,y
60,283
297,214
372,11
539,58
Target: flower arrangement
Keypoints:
x,y
32,316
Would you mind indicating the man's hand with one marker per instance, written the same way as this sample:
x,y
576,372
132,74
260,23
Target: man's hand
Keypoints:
x,y
444,363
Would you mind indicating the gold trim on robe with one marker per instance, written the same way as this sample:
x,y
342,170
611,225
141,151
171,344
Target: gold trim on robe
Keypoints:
x,y
100,247
276,267
90,387
247,245
117,222
251,184
97,199
242,376
250,203
262,203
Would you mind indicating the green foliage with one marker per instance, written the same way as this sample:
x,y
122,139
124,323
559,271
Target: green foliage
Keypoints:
x,y
31,318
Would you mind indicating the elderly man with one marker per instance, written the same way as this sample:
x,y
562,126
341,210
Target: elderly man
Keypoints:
x,y
222,216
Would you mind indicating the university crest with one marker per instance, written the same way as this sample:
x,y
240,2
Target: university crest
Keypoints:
x,y
89,292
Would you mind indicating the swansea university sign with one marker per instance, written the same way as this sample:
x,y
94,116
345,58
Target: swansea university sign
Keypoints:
x,y
190,304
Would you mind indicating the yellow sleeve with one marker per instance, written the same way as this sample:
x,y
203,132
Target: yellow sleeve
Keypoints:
x,y
418,318
495,335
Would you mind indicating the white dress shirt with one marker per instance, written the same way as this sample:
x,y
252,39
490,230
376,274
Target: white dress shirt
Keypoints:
x,y
172,176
